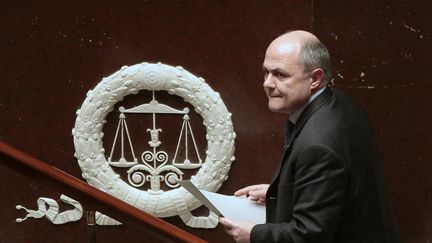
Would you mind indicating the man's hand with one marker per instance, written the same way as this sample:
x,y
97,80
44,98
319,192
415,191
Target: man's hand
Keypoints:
x,y
240,231
255,192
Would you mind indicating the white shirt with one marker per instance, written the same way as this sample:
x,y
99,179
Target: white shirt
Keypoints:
x,y
295,116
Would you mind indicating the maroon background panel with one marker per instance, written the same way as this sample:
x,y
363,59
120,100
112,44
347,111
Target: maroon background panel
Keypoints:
x,y
53,52
381,53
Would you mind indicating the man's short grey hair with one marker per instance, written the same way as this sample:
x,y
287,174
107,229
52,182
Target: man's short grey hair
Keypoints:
x,y
314,54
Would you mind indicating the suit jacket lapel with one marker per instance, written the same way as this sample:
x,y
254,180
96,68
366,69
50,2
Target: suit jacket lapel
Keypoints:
x,y
317,103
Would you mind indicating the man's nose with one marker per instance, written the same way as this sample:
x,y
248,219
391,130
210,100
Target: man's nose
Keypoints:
x,y
269,82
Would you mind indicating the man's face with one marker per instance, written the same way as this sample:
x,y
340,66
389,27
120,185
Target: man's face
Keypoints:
x,y
286,85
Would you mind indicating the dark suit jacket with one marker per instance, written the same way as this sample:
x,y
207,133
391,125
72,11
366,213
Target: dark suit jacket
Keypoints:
x,y
329,184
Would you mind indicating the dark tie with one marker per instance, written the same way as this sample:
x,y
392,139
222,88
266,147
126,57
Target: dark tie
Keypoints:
x,y
289,132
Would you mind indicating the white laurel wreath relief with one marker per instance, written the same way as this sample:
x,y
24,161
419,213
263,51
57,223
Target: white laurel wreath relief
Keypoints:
x,y
87,135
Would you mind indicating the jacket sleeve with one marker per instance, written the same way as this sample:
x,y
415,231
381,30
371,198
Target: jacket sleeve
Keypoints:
x,y
319,188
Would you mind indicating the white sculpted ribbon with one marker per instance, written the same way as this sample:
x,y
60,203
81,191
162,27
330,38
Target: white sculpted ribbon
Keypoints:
x,y
52,211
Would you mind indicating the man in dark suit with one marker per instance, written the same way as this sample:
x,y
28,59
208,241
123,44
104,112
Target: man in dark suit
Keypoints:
x,y
329,185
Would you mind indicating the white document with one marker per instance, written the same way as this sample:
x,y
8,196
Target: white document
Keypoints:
x,y
231,207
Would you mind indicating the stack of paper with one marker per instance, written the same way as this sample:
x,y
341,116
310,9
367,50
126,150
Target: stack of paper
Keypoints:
x,y
231,207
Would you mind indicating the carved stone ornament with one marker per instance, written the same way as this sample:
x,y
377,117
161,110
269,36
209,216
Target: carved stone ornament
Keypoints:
x,y
52,211
95,166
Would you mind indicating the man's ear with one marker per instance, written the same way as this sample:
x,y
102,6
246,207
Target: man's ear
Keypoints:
x,y
317,77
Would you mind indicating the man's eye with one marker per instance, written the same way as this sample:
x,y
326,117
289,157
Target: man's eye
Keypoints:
x,y
280,75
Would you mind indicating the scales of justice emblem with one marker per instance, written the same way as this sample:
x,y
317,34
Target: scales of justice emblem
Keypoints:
x,y
153,165
154,161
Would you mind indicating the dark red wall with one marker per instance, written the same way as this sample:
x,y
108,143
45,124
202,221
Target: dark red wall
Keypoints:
x,y
382,56
53,52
